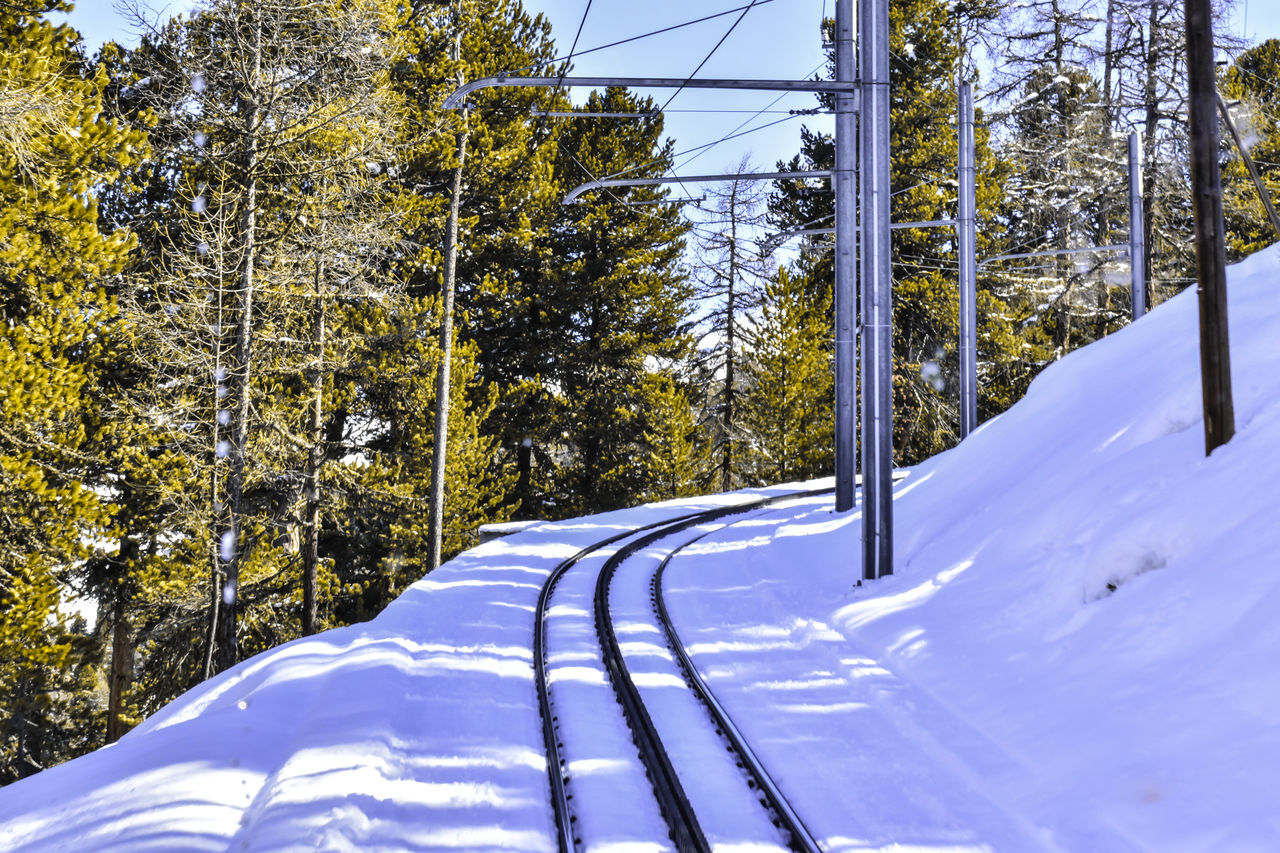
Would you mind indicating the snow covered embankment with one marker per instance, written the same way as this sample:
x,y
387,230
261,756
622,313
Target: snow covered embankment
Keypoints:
x,y
1080,644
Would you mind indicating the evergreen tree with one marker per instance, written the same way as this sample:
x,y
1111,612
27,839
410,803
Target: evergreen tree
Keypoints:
x,y
1252,85
789,403
674,458
506,196
923,62
613,295
56,147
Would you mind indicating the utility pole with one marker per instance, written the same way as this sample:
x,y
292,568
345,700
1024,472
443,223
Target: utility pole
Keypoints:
x,y
876,368
846,275
1137,236
1211,254
967,237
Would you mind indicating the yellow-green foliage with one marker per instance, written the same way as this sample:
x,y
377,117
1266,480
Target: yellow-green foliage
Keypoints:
x,y
56,149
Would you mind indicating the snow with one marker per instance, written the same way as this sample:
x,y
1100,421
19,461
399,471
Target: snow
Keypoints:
x,y
1076,653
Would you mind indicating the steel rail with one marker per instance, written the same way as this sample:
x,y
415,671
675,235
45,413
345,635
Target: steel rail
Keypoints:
x,y
683,824
620,676
786,818
551,740
801,839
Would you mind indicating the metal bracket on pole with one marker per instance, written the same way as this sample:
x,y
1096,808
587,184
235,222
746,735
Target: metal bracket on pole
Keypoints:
x,y
817,86
776,240
605,183
967,235
1137,235
1053,253
849,95
658,201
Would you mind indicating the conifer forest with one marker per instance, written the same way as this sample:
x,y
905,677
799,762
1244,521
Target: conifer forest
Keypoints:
x,y
280,333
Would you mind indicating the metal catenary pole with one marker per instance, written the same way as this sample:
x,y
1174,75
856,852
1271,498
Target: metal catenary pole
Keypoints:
x,y
845,188
1137,237
875,372
967,233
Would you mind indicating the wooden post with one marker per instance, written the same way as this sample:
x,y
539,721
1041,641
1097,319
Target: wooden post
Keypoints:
x,y
1211,253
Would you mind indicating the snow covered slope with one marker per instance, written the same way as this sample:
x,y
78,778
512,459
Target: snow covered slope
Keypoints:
x,y
1078,652
1084,627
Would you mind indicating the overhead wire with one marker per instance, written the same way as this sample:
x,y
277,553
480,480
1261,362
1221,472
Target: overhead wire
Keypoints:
x,y
574,55
695,71
565,69
713,50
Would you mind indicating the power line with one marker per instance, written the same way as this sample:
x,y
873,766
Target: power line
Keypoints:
x,y
582,23
713,50
663,31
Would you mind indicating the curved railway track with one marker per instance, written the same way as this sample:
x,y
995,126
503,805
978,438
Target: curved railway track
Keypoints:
x,y
676,809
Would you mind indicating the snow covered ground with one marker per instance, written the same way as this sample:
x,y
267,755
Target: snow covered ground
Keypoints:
x,y
1078,652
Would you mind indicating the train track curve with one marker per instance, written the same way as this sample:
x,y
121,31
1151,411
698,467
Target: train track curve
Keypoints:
x,y
673,803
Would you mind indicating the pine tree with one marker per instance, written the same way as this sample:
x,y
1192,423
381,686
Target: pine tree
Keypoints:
x,y
1252,85
506,195
55,149
788,406
923,100
673,458
612,296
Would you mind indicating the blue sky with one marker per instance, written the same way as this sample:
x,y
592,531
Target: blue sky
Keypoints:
x,y
777,39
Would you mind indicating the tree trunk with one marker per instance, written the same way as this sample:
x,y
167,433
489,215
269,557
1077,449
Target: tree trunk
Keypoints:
x,y
1108,67
240,374
1211,256
730,377
315,459
439,449
1152,108
121,669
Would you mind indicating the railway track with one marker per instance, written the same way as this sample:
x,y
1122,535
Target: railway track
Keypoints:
x,y
641,555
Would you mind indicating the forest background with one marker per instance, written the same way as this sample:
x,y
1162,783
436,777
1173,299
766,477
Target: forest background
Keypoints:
x,y
280,333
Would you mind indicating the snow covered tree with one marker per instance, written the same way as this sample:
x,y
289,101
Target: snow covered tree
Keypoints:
x,y
1066,192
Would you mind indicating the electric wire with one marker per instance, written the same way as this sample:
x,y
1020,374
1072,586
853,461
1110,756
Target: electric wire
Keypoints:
x,y
574,55
731,135
713,50
565,70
